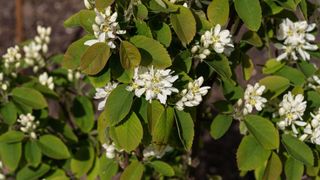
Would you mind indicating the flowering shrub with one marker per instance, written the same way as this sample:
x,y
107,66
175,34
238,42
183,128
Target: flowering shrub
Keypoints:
x,y
152,68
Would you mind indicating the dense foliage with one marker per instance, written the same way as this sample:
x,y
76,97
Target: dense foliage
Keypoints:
x,y
149,65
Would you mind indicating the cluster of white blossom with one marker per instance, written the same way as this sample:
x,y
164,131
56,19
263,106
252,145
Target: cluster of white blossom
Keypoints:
x,y
73,75
216,39
12,59
297,38
28,124
192,96
154,83
103,93
111,150
46,80
291,110
35,50
314,82
106,28
252,99
3,82
175,1
2,176
150,152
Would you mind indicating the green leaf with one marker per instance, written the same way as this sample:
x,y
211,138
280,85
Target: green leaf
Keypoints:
x,y
143,28
53,147
152,52
133,172
162,167
294,75
218,12
184,24
263,130
95,58
129,55
116,110
108,168
164,35
161,127
101,5
83,160
220,64
32,153
272,7
304,8
72,57
84,18
8,113
250,154
298,149
273,169
11,137
252,38
101,79
29,173
288,4
83,113
29,97
220,125
307,68
185,128
247,66
272,66
128,135
275,84
10,154
141,11
314,98
250,13
293,169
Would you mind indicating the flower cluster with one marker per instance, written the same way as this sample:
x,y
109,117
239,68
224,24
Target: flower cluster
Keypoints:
x,y
312,130
252,99
314,82
106,28
28,124
291,110
3,83
46,80
192,96
35,50
111,150
296,39
150,152
73,75
154,83
12,58
103,93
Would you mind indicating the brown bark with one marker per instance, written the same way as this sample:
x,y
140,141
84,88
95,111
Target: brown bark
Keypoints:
x,y
19,21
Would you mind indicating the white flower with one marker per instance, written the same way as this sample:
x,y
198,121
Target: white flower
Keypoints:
x,y
291,111
200,52
253,98
3,83
43,38
106,28
296,39
311,131
192,96
46,80
2,176
110,150
73,75
89,4
219,40
314,82
103,93
28,124
150,152
154,83
12,57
